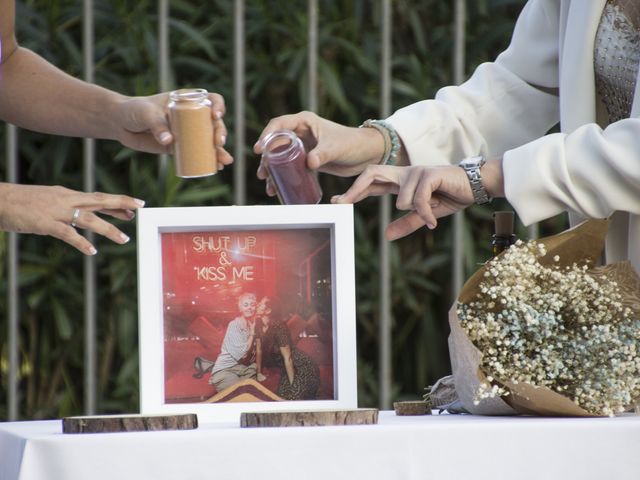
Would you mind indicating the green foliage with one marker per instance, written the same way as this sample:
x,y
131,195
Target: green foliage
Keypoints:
x,y
51,273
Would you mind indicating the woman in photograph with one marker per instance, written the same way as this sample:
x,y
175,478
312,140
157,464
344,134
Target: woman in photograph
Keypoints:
x,y
236,360
300,376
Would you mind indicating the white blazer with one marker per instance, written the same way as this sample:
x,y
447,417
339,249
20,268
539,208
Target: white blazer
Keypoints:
x,y
584,170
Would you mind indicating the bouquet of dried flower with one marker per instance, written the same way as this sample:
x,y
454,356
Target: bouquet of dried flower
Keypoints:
x,y
548,333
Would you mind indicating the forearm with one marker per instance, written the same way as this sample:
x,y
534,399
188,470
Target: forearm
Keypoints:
x,y
288,362
258,355
493,177
6,192
372,148
288,365
36,95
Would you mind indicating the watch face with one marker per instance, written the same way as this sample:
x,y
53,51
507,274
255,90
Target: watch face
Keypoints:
x,y
468,163
472,162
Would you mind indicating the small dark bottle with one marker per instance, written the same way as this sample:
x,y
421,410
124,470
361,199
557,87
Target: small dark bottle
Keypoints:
x,y
503,237
286,161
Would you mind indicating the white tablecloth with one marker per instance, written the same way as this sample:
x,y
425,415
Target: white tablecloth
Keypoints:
x,y
428,447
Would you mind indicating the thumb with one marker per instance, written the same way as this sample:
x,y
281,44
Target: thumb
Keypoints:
x,y
317,157
155,121
161,131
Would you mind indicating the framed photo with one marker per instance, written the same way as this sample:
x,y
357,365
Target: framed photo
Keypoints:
x,y
246,309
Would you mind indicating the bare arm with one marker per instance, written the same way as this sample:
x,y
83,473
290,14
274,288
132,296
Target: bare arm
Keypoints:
x,y
288,362
258,356
30,85
35,94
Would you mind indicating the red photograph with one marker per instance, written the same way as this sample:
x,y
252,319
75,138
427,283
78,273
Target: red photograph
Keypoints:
x,y
247,315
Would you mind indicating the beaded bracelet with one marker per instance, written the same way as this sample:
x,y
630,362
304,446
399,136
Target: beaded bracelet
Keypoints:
x,y
391,140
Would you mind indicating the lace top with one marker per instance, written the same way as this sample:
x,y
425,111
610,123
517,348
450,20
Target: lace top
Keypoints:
x,y
617,56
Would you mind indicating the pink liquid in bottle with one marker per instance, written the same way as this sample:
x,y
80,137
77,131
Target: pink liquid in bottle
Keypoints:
x,y
286,161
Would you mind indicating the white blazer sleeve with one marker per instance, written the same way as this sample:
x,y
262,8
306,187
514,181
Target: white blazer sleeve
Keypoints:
x,y
499,107
590,171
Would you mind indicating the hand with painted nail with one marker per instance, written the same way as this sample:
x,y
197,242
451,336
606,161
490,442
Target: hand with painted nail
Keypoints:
x,y
331,147
59,212
83,109
77,109
142,124
427,193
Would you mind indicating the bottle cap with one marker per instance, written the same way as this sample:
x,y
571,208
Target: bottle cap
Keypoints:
x,y
504,222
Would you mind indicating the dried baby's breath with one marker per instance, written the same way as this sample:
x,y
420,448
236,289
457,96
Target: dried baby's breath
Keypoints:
x,y
554,327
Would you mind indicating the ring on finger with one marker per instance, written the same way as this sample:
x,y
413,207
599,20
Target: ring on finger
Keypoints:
x,y
74,218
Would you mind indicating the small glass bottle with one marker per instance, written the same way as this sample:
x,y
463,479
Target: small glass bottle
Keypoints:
x,y
503,237
192,129
286,161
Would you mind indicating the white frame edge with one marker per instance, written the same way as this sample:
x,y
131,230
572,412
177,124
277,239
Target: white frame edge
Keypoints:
x,y
152,221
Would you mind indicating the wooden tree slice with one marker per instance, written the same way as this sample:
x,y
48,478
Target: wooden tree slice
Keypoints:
x,y
129,423
360,416
412,407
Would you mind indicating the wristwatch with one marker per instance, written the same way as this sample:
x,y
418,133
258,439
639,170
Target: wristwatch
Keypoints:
x,y
471,167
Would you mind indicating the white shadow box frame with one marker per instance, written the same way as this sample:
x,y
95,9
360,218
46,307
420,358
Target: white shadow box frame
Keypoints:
x,y
193,265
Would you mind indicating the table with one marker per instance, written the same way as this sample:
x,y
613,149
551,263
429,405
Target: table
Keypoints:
x,y
427,447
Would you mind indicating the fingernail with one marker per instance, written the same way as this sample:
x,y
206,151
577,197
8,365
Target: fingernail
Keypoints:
x,y
430,226
131,214
218,114
124,238
92,251
165,137
139,202
224,139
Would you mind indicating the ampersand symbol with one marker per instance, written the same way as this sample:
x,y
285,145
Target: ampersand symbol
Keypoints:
x,y
223,259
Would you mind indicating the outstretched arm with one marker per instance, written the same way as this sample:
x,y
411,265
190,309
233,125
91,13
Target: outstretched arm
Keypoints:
x,y
36,95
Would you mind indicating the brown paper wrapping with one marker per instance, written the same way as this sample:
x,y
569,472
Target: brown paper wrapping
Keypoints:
x,y
581,244
467,375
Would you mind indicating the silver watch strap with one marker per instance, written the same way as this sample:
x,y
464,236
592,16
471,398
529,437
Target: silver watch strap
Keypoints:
x,y
471,167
